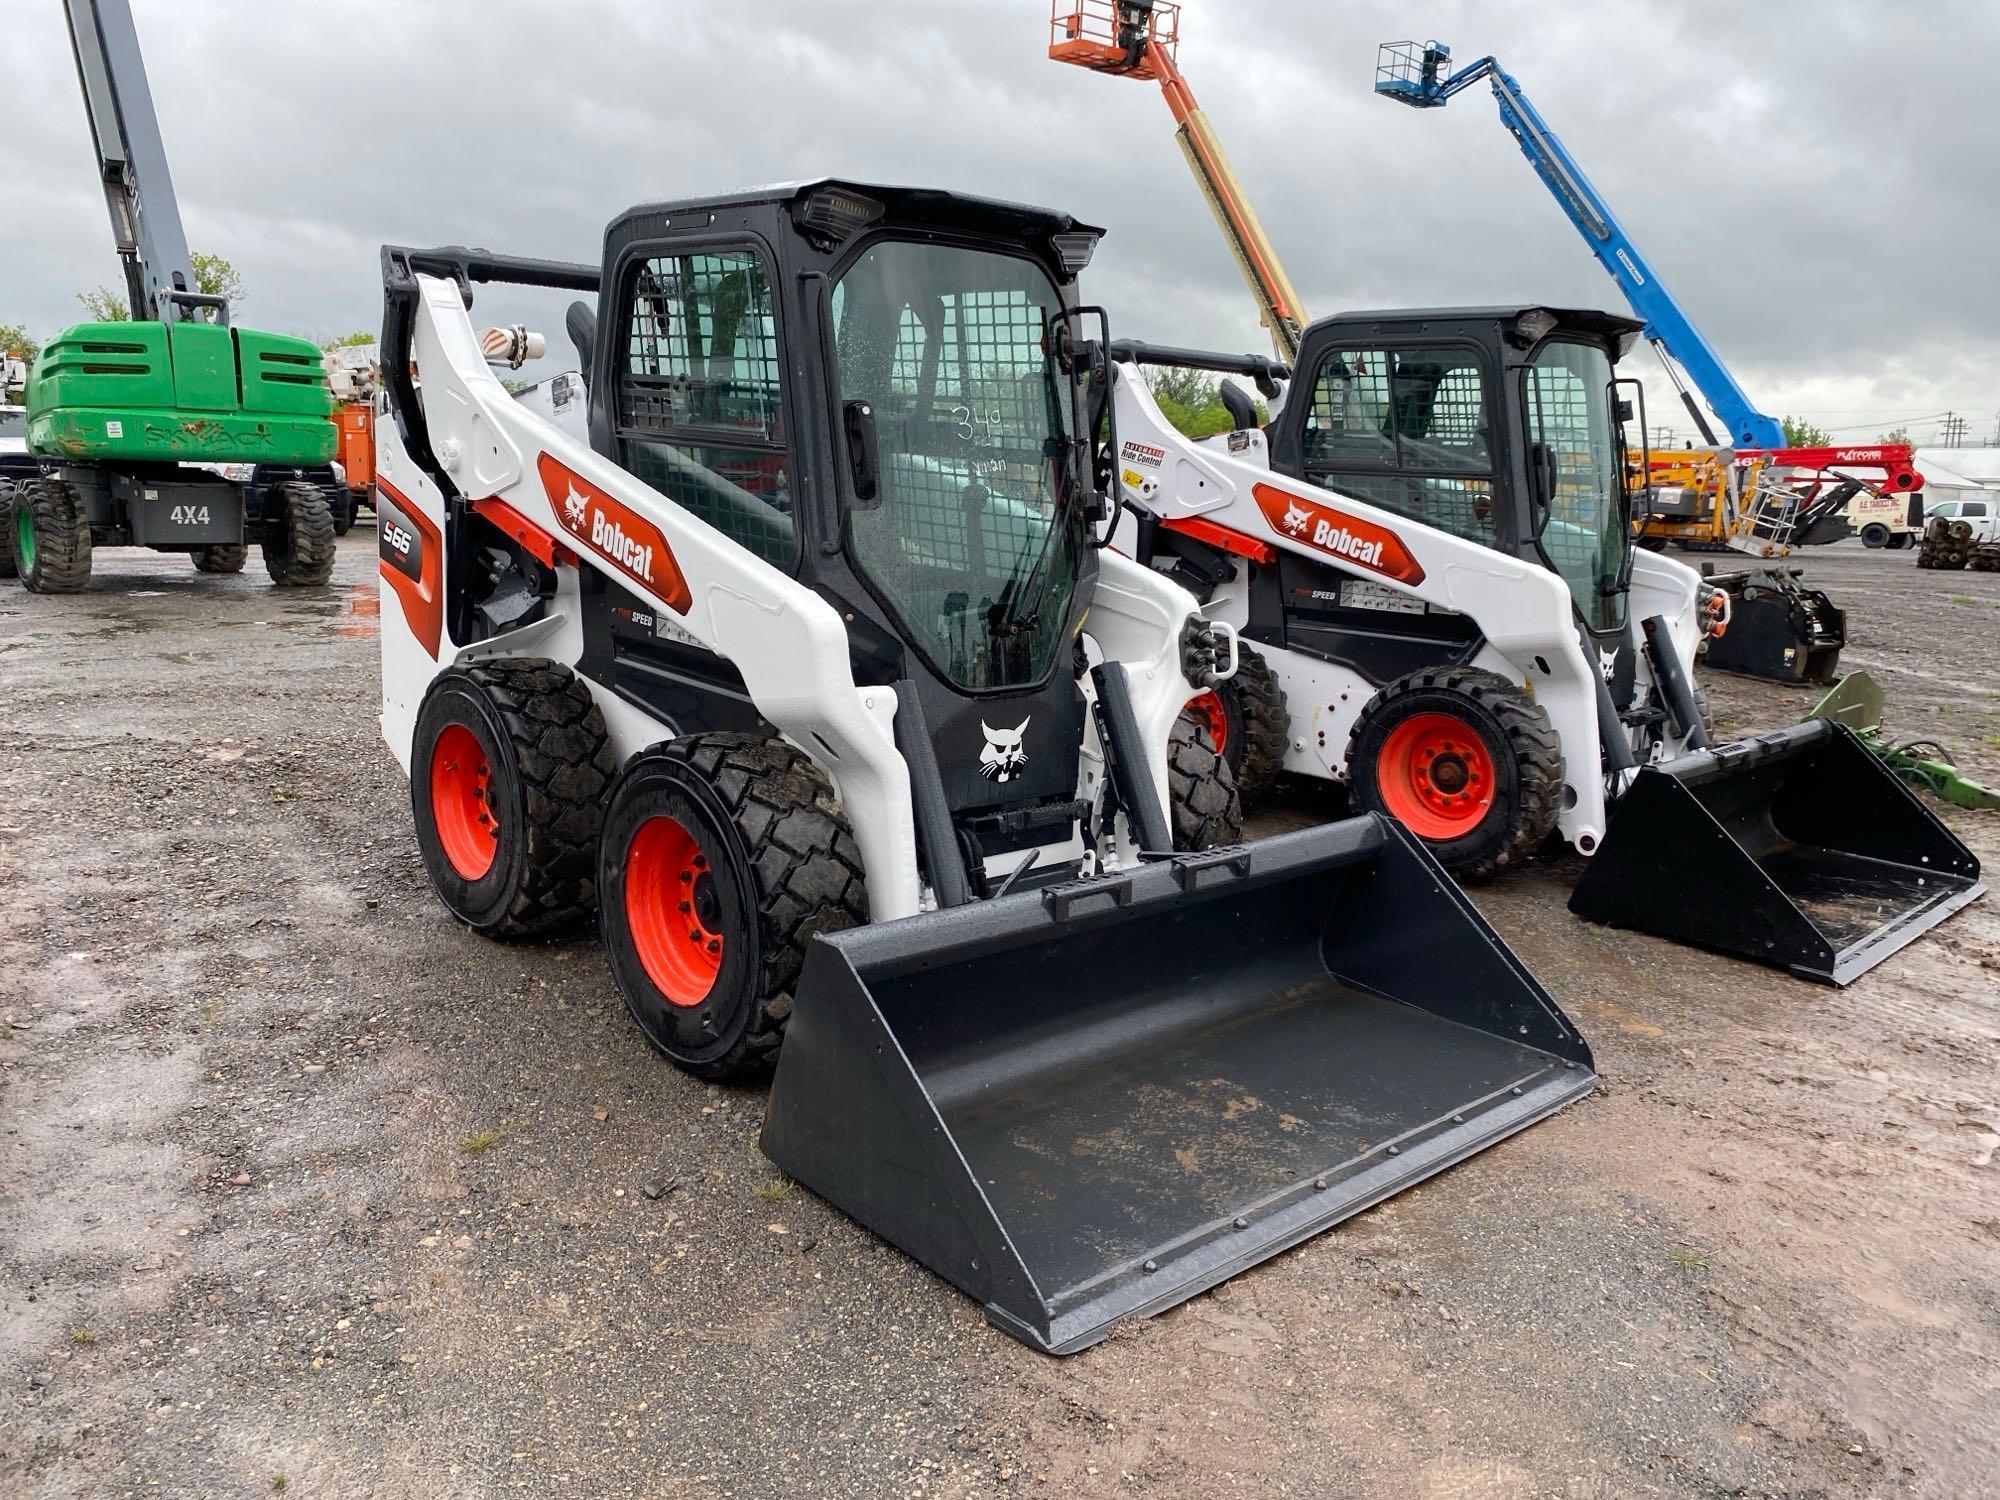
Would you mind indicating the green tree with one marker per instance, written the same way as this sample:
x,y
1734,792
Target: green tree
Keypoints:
x,y
1898,435
1192,401
216,276
1799,433
105,306
14,340
351,340
213,275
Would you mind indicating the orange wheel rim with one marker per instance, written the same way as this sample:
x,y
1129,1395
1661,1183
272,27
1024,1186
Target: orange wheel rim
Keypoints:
x,y
673,910
1206,706
1436,776
468,826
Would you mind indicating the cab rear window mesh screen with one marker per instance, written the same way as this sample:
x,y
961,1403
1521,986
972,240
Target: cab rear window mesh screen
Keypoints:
x,y
700,409
1420,413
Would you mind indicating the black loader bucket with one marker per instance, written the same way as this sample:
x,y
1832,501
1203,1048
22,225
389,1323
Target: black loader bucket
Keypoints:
x,y
1797,848
1093,1101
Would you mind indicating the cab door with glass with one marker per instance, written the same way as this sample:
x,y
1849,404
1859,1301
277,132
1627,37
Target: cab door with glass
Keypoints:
x,y
698,411
966,523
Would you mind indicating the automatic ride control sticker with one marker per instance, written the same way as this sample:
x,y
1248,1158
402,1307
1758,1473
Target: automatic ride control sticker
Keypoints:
x,y
615,532
1363,544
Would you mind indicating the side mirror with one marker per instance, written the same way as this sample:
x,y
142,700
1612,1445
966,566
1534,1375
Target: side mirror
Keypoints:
x,y
863,460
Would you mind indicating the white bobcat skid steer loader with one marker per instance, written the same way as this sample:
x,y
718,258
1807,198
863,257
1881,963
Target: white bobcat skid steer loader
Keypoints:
x,y
1429,558
805,672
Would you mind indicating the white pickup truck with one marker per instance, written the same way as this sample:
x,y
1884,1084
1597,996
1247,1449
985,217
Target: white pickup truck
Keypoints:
x,y
1982,515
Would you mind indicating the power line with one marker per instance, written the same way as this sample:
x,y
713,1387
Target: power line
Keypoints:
x,y
1929,416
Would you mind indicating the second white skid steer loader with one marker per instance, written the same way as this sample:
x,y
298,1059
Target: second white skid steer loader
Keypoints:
x,y
1429,556
807,672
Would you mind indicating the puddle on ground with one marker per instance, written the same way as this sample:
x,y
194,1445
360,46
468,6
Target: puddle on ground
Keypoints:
x,y
352,609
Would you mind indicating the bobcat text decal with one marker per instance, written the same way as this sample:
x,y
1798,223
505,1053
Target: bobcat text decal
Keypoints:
x,y
614,531
1349,538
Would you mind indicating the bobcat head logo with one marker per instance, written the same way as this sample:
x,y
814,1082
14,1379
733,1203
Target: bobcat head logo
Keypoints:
x,y
1003,756
573,508
1295,518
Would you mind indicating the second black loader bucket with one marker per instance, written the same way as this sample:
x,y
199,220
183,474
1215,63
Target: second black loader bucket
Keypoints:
x,y
1797,848
1093,1101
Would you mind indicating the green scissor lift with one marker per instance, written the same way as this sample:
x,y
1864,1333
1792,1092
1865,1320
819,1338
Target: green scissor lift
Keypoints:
x,y
175,431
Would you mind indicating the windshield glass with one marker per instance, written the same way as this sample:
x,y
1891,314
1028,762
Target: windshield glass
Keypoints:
x,y
969,542
13,421
1584,536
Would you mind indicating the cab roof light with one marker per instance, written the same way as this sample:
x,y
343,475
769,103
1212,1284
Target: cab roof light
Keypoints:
x,y
1534,325
837,213
1073,249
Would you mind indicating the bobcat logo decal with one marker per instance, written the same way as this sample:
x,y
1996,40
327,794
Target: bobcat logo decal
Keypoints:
x,y
1295,520
1003,756
573,509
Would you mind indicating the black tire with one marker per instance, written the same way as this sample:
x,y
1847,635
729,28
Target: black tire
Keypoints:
x,y
1702,711
1520,747
298,535
51,514
1874,535
7,568
223,557
1204,807
1255,723
343,507
767,859
1898,540
548,761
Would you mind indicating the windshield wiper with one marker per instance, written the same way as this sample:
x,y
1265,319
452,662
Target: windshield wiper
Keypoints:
x,y
1020,593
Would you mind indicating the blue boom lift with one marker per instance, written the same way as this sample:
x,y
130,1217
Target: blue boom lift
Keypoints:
x,y
1786,632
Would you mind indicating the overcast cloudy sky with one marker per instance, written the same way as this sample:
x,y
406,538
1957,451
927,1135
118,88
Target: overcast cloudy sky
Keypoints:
x,y
1817,180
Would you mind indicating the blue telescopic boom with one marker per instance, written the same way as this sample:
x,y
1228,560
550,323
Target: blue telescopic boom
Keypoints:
x,y
1422,82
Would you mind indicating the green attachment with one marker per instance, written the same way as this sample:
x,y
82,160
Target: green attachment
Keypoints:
x,y
1856,701
1938,777
126,392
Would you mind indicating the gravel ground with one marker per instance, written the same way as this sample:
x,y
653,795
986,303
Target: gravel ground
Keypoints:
x,y
306,1190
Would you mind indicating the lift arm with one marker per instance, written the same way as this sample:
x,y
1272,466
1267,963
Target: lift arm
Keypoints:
x,y
138,188
1417,76
1138,38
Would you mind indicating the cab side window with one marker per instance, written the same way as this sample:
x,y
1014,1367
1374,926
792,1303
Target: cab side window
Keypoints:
x,y
1407,430
700,410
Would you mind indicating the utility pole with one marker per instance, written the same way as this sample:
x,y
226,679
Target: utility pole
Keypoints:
x,y
1952,429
